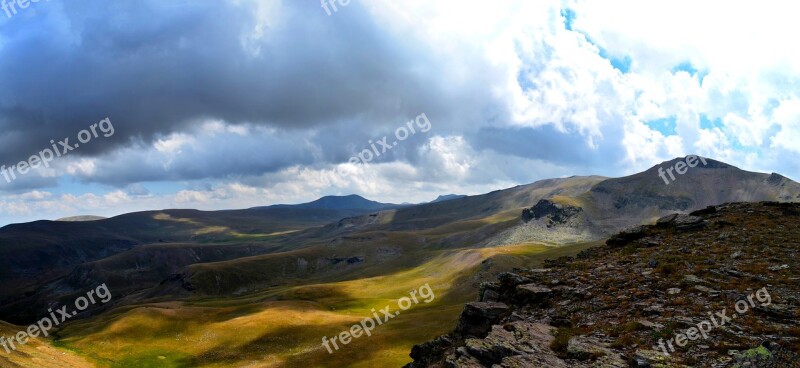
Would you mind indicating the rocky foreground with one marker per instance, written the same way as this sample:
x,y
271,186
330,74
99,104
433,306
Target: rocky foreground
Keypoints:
x,y
719,287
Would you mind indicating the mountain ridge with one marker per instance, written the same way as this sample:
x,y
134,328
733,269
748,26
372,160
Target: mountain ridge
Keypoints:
x,y
306,252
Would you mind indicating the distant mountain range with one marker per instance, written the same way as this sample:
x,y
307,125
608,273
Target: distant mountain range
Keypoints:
x,y
186,255
349,202
82,218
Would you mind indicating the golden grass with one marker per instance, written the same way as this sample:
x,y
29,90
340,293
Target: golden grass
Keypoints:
x,y
38,352
569,201
260,331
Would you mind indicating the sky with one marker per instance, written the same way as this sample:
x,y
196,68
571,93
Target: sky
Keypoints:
x,y
239,103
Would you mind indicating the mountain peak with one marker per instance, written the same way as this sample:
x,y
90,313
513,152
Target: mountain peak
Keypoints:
x,y
702,162
447,197
346,202
81,218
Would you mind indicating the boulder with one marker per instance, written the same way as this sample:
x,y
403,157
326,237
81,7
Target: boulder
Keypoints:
x,y
477,318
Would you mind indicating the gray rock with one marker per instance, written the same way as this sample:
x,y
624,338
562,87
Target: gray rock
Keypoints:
x,y
707,290
477,318
778,268
693,279
687,222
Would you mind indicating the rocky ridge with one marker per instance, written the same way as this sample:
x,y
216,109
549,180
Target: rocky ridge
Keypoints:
x,y
618,305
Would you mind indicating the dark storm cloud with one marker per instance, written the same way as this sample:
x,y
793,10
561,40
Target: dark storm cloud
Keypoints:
x,y
156,67
549,144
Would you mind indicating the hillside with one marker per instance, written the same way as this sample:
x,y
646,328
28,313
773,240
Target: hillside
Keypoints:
x,y
153,244
299,270
625,304
38,353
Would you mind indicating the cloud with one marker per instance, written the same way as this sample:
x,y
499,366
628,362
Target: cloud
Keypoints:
x,y
158,68
229,103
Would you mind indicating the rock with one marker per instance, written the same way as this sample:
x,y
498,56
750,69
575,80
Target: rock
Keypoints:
x,y
489,296
518,344
688,222
650,358
705,211
488,292
692,279
555,213
627,236
468,362
778,311
423,353
707,290
534,293
602,298
778,268
584,348
666,220
650,325
732,272
652,243
492,349
653,310
477,318
681,222
512,279
530,360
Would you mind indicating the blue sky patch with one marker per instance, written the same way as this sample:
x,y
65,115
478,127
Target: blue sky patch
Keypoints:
x,y
569,17
706,123
666,126
622,64
688,67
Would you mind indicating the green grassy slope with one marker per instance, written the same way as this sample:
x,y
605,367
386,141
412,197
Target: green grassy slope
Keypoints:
x,y
283,326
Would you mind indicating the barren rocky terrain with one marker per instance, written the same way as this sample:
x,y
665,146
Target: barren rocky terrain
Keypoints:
x,y
642,299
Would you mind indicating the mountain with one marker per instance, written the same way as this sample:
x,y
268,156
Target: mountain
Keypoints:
x,y
626,303
81,218
298,271
617,203
349,202
447,197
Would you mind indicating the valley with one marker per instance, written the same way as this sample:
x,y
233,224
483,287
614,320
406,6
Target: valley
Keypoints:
x,y
260,287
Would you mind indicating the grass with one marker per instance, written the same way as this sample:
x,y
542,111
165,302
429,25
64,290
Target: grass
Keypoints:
x,y
38,352
283,326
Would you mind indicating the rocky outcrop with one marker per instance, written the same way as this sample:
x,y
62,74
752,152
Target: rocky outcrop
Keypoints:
x,y
554,213
615,305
